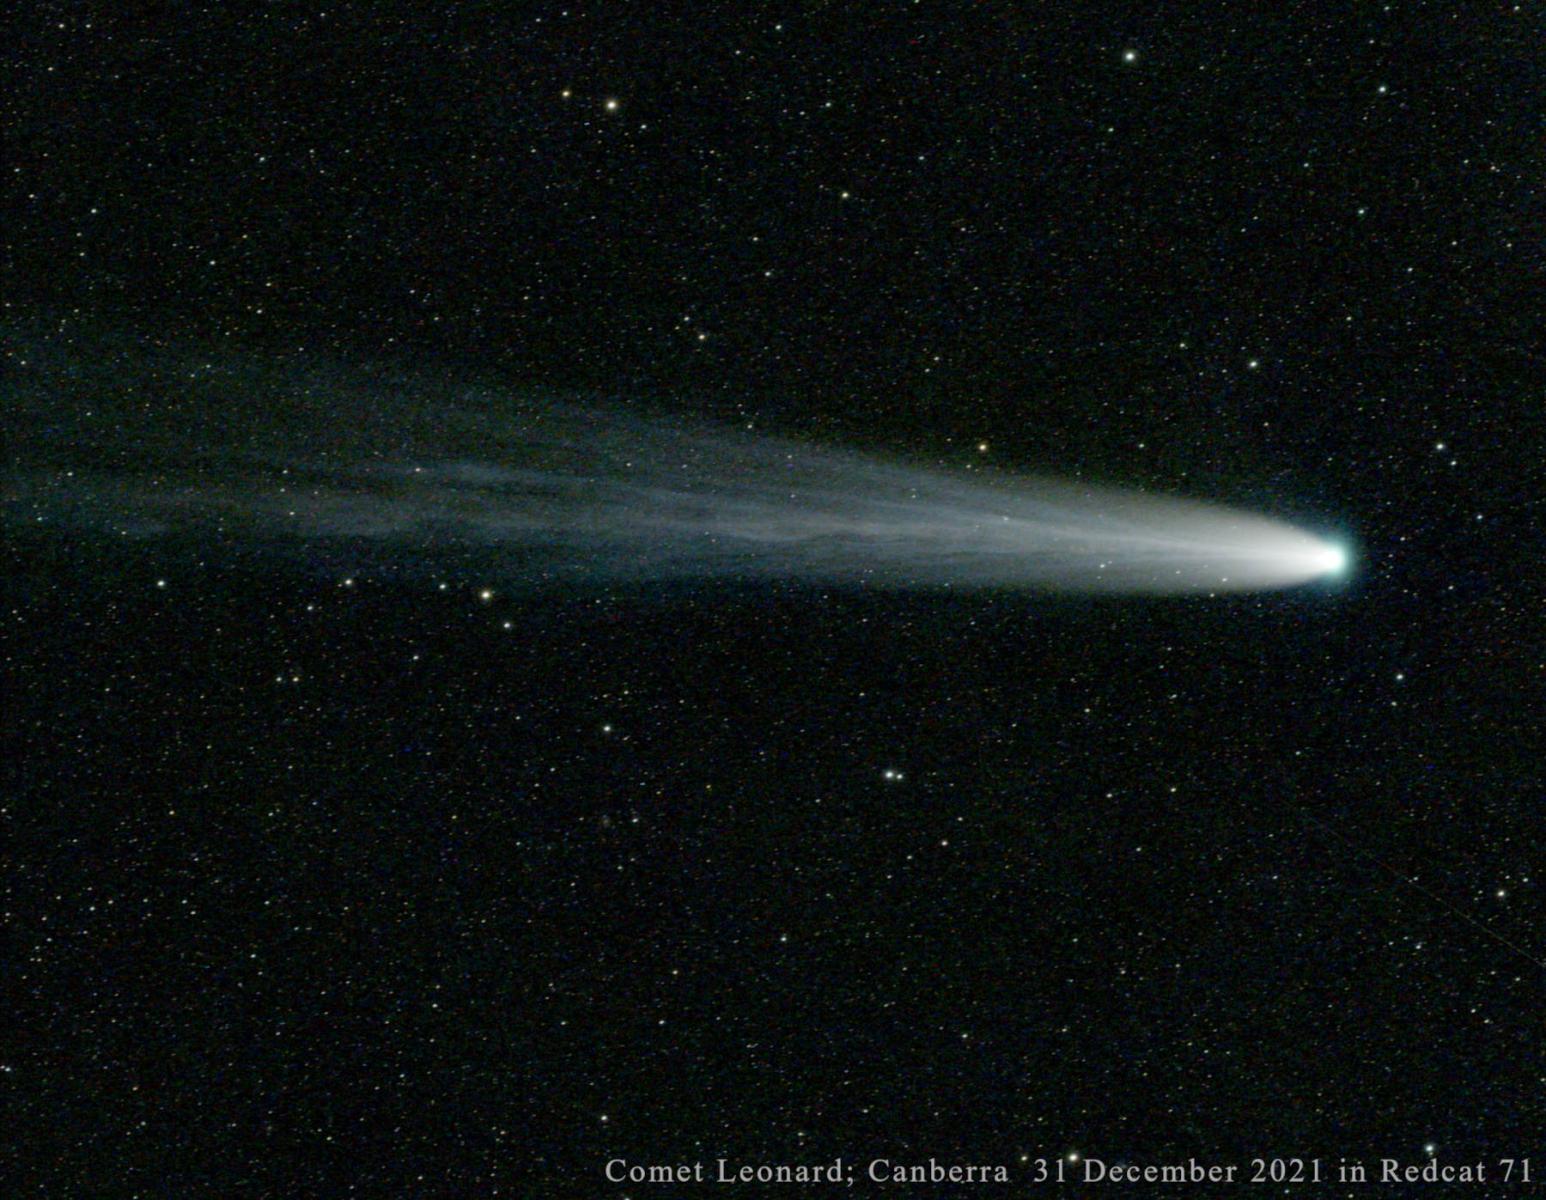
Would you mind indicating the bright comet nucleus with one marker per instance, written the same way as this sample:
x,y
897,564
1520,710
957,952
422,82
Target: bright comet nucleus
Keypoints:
x,y
1333,559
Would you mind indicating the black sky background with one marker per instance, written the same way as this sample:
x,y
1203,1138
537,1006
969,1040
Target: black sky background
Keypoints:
x,y
384,889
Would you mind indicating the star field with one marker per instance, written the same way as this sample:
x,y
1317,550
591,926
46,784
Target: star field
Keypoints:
x,y
368,873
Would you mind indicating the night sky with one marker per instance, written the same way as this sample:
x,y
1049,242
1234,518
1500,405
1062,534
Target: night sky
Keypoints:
x,y
362,872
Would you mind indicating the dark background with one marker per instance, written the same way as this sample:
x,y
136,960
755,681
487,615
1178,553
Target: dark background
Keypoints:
x,y
312,888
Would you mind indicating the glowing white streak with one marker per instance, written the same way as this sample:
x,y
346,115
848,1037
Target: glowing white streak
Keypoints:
x,y
550,490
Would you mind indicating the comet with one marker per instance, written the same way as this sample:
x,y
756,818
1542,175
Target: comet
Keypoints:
x,y
321,462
